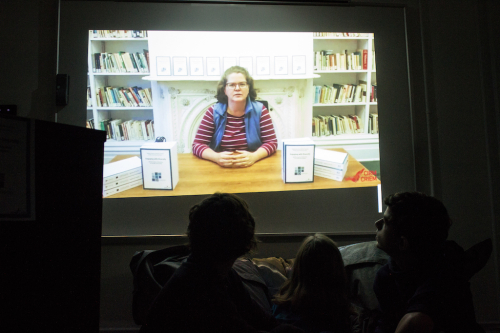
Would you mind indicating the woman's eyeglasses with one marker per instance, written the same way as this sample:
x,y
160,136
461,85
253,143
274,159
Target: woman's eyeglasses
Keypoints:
x,y
242,85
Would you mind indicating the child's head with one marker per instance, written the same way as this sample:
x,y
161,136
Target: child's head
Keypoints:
x,y
318,263
318,282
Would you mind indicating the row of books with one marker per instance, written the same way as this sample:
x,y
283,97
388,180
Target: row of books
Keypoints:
x,y
373,123
341,93
336,125
120,130
119,33
342,34
328,60
124,97
121,62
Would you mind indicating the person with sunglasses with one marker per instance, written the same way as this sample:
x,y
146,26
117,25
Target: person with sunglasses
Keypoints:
x,y
237,131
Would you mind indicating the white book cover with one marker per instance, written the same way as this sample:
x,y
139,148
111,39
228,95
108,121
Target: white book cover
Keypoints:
x,y
327,175
114,168
122,175
122,188
160,168
122,181
331,158
328,170
297,157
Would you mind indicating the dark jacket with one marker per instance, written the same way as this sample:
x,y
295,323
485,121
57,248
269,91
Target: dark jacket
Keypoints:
x,y
196,299
440,289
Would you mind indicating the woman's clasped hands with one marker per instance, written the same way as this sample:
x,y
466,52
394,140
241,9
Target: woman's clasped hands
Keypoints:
x,y
236,159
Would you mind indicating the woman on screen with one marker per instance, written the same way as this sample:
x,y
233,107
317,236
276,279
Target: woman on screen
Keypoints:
x,y
315,299
237,131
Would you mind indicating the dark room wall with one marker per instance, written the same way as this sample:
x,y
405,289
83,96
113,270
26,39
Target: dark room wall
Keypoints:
x,y
456,129
29,56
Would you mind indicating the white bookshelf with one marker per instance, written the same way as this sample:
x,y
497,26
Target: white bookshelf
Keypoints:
x,y
180,98
99,80
363,146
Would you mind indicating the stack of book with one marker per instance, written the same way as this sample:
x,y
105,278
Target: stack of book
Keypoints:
x,y
122,175
330,164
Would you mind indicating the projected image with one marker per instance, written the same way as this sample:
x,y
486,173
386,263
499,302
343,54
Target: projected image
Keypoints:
x,y
234,111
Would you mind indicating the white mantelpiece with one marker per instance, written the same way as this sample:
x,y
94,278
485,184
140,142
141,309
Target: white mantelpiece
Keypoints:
x,y
181,104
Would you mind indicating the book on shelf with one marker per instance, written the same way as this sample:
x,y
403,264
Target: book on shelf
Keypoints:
x,y
90,123
373,93
146,55
121,62
119,33
325,125
365,59
373,123
89,97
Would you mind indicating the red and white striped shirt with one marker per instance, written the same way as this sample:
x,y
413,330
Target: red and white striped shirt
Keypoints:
x,y
234,135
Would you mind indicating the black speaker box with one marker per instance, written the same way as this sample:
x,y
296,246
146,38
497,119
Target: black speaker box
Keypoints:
x,y
62,89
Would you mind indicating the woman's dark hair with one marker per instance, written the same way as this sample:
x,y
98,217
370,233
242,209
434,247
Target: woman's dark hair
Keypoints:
x,y
221,96
221,228
318,287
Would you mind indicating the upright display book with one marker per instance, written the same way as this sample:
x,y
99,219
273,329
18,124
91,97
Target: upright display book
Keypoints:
x,y
297,159
160,168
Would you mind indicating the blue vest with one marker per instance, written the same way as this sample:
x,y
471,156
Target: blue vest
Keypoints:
x,y
253,111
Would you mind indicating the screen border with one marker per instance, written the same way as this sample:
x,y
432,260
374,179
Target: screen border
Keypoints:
x,y
168,215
